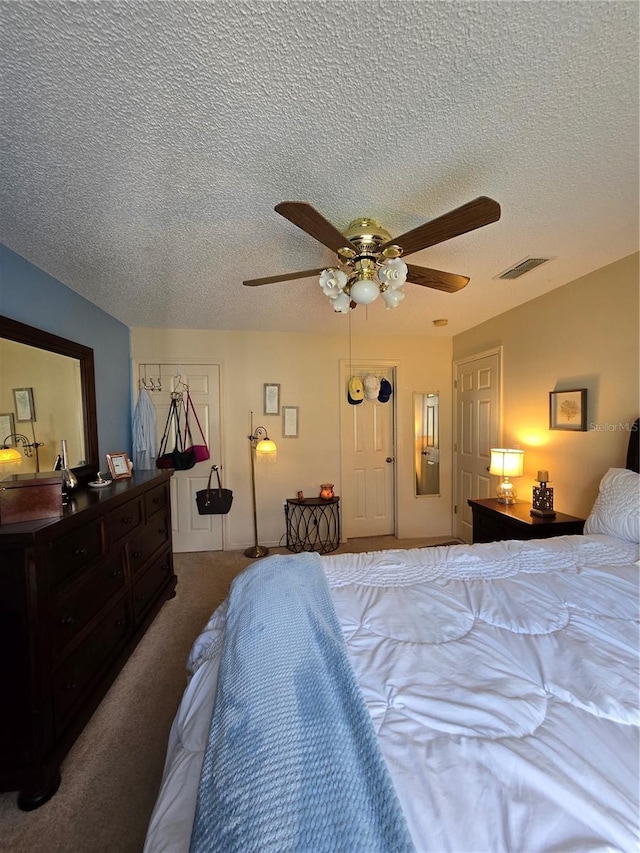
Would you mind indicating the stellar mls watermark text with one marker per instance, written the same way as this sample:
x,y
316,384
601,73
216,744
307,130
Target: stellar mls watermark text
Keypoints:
x,y
617,427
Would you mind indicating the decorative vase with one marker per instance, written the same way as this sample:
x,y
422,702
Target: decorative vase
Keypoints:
x,y
69,479
326,491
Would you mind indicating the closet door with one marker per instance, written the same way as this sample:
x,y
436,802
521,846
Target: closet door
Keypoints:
x,y
191,531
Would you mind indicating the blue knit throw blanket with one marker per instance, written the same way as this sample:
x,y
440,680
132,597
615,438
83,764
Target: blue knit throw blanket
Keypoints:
x,y
292,762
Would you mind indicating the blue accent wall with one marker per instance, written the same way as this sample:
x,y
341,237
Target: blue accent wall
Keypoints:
x,y
32,296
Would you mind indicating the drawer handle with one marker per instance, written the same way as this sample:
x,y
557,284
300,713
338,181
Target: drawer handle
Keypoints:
x,y
162,531
121,623
67,620
156,501
127,519
141,597
80,552
136,555
71,685
116,573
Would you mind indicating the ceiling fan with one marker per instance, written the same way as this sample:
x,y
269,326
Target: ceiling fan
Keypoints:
x,y
369,259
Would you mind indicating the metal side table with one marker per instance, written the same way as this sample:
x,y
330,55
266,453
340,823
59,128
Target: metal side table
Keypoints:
x,y
313,524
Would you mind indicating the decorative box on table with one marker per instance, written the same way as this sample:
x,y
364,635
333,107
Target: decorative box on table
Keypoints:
x,y
30,497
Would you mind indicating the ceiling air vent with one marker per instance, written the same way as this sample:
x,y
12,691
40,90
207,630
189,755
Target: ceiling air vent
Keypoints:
x,y
524,266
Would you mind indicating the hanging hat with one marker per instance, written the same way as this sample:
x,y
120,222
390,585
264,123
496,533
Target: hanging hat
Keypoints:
x,y
385,391
371,386
355,394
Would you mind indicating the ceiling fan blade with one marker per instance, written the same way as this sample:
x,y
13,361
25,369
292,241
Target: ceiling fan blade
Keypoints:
x,y
313,223
447,281
289,276
481,211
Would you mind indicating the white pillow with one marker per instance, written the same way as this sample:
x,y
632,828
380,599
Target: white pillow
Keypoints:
x,y
616,511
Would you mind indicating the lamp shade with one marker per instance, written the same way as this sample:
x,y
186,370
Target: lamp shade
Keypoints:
x,y
9,454
506,462
266,446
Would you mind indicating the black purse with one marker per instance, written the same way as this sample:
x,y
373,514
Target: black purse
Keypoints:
x,y
179,459
214,501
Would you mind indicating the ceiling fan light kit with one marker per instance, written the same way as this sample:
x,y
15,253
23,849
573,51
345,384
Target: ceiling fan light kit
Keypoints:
x,y
362,285
369,259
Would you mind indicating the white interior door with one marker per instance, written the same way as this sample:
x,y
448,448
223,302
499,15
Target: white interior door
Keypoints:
x,y
477,395
368,464
191,531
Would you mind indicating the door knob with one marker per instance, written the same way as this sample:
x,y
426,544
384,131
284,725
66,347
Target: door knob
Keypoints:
x,y
389,459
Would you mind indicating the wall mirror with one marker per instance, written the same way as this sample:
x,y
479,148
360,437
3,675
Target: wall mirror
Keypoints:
x,y
47,393
426,443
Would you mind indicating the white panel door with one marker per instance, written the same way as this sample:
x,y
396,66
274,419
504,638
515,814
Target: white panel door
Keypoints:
x,y
191,531
368,469
477,398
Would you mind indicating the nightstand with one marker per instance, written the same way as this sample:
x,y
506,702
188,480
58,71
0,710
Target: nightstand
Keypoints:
x,y
493,521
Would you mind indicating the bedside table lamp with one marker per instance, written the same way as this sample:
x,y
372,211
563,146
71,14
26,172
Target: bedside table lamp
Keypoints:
x,y
543,497
506,463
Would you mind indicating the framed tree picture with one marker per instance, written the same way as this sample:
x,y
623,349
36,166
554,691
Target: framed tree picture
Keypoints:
x,y
568,410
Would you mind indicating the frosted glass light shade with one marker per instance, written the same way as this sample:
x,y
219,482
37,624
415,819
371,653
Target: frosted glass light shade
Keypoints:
x,y
364,291
341,304
10,454
332,282
266,447
392,297
393,272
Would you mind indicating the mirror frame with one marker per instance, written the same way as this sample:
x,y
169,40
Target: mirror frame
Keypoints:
x,y
13,330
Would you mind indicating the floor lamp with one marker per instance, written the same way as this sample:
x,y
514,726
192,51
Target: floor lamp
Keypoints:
x,y
262,445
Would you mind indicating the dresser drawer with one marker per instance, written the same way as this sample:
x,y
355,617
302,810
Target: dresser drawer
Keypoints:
x,y
155,500
75,677
145,544
145,590
70,613
73,553
125,519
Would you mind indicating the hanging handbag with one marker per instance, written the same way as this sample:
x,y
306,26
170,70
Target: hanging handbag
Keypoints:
x,y
201,450
214,501
179,459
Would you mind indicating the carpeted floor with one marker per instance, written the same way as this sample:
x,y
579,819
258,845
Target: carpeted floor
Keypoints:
x,y
111,776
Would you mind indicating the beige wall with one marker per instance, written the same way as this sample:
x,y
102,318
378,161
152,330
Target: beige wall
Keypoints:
x,y
308,370
582,335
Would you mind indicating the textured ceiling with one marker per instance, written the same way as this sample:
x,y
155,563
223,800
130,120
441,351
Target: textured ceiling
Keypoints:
x,y
146,143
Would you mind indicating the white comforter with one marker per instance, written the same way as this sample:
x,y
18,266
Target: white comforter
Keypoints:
x,y
502,680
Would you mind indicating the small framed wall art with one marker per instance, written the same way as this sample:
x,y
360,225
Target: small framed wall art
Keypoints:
x,y
119,466
23,400
7,429
568,409
289,421
271,398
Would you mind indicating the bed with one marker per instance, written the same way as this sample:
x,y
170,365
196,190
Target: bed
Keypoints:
x,y
460,698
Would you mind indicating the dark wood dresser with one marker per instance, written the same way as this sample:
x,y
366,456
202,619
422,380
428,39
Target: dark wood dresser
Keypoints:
x,y
77,594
